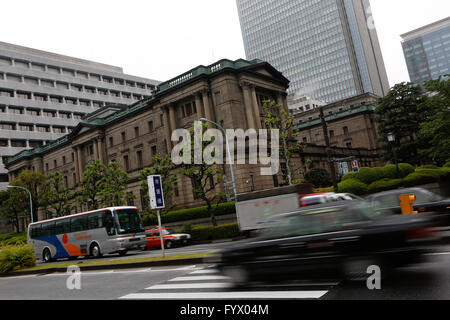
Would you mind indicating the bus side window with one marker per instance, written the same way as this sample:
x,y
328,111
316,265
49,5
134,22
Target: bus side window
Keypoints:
x,y
95,220
34,231
62,226
78,223
108,222
48,229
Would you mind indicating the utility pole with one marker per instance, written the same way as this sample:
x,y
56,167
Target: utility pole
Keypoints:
x,y
327,144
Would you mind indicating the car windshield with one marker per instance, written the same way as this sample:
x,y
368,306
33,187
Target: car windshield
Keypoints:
x,y
128,221
392,200
166,232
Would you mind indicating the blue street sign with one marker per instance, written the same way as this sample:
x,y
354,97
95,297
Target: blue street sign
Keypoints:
x,y
155,190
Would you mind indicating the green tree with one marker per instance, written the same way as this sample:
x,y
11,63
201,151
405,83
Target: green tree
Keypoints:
x,y
58,198
92,184
34,182
113,186
276,118
436,127
204,177
13,207
165,167
399,113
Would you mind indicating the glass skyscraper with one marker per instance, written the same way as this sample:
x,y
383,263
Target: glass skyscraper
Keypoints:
x,y
427,51
328,49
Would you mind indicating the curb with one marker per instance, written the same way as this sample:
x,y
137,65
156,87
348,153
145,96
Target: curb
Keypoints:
x,y
161,263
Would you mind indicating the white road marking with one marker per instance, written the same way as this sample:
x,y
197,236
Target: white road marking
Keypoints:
x,y
229,295
210,285
204,271
195,278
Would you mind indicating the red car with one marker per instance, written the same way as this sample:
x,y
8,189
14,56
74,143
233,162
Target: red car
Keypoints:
x,y
170,238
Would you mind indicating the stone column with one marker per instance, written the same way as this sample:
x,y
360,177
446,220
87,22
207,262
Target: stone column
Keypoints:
x,y
256,111
77,164
101,150
172,119
167,129
80,162
198,105
207,106
248,106
94,142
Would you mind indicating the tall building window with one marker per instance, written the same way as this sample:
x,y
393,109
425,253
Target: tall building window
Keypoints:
x,y
126,163
139,159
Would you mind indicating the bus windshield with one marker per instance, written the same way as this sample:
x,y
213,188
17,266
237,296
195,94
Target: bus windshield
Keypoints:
x,y
128,221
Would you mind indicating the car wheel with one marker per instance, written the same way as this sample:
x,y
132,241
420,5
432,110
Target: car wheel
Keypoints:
x,y
238,275
46,255
123,252
168,244
95,251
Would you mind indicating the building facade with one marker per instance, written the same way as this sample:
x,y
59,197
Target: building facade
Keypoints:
x,y
230,93
351,125
328,49
298,104
43,96
427,51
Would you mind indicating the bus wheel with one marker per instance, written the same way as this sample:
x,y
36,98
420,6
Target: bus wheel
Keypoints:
x,y
95,251
46,255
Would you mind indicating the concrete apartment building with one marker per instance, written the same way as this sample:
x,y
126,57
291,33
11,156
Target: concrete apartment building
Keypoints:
x,y
43,96
328,49
230,93
427,51
298,104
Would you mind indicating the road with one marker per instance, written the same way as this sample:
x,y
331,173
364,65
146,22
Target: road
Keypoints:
x,y
199,248
430,280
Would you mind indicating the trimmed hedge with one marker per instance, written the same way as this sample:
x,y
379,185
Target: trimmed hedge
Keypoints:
x,y
13,258
203,233
7,239
369,175
189,214
385,184
353,186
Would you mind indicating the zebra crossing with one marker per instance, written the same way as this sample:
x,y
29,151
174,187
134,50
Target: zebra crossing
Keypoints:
x,y
209,284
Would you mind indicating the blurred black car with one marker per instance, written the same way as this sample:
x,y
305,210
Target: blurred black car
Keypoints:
x,y
426,201
342,240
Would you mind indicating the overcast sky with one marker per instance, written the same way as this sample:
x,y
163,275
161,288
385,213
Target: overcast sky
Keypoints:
x,y
161,39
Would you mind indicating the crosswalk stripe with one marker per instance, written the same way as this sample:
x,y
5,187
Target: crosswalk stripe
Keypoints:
x,y
196,278
228,295
206,285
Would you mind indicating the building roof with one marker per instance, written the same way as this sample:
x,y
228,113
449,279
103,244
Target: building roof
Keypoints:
x,y
194,74
426,29
336,116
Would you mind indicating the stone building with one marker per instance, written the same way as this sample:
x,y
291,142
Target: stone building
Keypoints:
x,y
227,92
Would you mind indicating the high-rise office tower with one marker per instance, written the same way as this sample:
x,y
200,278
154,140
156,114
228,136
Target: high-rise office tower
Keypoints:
x,y
427,51
328,49
44,95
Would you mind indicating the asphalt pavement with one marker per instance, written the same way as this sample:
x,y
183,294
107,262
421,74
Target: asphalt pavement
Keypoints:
x,y
429,280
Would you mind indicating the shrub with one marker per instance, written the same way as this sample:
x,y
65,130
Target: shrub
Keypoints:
x,y
438,173
390,171
447,165
189,214
385,184
13,239
369,175
350,175
13,258
417,178
318,177
405,169
428,166
353,186
226,231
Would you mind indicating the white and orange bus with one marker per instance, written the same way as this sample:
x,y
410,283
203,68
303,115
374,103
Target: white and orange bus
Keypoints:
x,y
93,233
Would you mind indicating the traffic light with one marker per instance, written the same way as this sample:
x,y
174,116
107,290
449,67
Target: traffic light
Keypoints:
x,y
406,203
355,166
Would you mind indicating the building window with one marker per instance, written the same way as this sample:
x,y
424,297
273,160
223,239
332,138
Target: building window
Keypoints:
x,y
111,141
124,137
126,163
345,131
349,144
153,151
150,126
139,159
136,132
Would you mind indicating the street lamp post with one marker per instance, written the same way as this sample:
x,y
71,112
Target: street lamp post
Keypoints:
x,y
391,138
31,199
228,154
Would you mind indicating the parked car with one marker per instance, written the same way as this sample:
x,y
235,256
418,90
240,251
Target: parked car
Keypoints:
x,y
342,239
426,201
324,197
170,238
